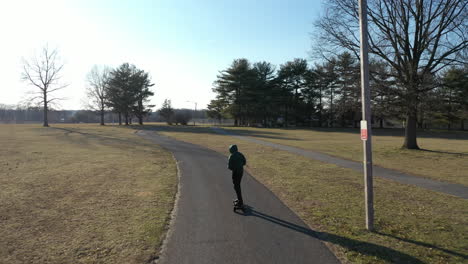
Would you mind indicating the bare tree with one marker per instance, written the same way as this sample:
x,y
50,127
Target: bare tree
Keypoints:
x,y
43,72
417,38
97,80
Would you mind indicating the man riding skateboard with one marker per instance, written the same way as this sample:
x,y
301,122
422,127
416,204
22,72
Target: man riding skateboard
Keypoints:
x,y
236,164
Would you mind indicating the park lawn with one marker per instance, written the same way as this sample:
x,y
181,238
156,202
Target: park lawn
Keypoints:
x,y
82,194
444,155
413,225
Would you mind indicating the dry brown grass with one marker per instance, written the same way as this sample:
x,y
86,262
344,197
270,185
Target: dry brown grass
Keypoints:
x,y
444,156
414,225
82,194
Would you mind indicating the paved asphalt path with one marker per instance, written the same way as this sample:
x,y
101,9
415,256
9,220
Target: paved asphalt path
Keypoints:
x,y
458,190
206,230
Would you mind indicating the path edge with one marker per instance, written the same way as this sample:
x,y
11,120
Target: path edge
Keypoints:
x,y
170,225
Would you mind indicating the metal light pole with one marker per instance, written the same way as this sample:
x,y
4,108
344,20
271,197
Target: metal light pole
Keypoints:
x,y
366,125
194,112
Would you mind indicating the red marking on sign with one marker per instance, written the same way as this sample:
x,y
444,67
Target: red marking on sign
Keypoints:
x,y
363,134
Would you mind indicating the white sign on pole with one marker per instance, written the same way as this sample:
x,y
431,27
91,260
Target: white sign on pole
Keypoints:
x,y
363,130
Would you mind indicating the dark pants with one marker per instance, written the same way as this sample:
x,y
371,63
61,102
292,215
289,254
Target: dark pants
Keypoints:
x,y
236,180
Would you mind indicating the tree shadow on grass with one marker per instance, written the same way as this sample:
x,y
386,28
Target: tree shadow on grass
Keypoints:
x,y
381,252
445,152
208,130
393,132
173,128
260,134
419,243
103,139
457,135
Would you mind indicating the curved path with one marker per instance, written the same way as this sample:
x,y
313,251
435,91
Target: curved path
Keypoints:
x,y
206,230
454,189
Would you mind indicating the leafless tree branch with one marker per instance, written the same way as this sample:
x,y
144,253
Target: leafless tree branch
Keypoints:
x,y
43,72
97,80
417,39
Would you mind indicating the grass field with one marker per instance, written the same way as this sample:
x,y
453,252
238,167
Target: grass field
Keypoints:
x,y
444,155
413,225
82,194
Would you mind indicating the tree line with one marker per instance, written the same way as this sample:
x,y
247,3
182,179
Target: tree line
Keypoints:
x,y
329,95
124,90
18,114
418,71
179,116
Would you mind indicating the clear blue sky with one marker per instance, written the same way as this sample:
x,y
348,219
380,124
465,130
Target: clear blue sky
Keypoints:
x,y
183,44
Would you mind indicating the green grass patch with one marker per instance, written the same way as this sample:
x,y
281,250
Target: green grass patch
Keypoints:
x,y
82,194
413,225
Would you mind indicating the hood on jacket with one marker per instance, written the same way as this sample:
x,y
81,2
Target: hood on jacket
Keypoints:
x,y
233,149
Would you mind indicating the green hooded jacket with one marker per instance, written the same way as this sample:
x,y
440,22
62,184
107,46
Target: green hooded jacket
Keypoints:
x,y
236,159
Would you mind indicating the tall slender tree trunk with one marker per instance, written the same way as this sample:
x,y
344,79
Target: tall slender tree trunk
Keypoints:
x,y
46,120
320,116
344,108
331,110
140,112
126,118
381,111
449,113
102,114
286,116
296,110
238,118
320,107
120,118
